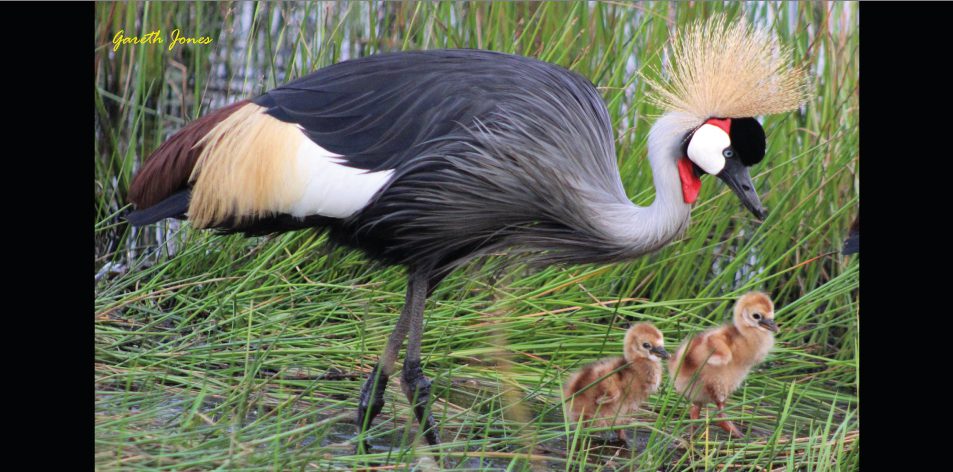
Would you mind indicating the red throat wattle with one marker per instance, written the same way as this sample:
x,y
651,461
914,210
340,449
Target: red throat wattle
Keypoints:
x,y
691,184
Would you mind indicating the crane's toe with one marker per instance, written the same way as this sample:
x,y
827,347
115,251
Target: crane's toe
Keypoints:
x,y
417,389
728,425
371,401
731,429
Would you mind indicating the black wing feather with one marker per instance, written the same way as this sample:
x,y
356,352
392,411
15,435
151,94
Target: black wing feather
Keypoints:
x,y
489,150
173,206
377,110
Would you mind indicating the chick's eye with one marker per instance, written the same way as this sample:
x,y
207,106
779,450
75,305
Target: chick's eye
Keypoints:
x,y
646,345
756,316
728,153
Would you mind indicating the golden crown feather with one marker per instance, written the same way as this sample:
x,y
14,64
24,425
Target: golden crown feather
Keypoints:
x,y
728,69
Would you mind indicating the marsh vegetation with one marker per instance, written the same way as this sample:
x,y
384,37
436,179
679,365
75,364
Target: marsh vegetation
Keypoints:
x,y
248,353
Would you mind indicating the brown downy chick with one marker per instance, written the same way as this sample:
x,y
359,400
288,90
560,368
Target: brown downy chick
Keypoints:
x,y
627,381
721,357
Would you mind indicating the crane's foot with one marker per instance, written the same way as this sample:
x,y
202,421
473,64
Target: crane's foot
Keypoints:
x,y
417,389
371,402
727,425
731,429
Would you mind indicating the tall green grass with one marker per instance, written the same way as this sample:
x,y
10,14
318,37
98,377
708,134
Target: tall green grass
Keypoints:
x,y
217,352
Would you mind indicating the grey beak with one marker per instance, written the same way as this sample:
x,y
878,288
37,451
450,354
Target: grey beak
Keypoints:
x,y
659,351
769,324
736,176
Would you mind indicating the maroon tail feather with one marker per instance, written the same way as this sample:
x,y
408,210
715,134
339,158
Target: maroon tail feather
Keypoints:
x,y
168,169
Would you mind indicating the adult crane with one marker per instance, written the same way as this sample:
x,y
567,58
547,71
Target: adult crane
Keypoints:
x,y
427,159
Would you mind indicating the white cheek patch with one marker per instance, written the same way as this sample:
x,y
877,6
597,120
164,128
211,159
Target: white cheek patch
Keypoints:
x,y
706,146
332,188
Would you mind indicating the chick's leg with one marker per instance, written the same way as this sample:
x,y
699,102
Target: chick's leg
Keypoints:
x,y
622,437
694,414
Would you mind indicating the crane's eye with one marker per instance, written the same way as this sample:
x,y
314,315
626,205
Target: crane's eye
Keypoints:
x,y
728,153
756,316
646,345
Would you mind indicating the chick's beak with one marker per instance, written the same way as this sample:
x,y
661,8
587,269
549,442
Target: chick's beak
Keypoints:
x,y
736,176
659,351
769,324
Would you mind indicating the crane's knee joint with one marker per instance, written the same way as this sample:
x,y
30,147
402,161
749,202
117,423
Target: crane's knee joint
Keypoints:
x,y
414,382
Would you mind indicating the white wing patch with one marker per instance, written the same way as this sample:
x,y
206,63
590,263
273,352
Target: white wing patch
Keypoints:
x,y
330,187
716,359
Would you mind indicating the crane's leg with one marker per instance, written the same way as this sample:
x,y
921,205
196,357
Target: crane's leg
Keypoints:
x,y
371,400
727,425
415,384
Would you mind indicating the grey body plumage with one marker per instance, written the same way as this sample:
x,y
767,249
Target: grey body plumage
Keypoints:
x,y
524,162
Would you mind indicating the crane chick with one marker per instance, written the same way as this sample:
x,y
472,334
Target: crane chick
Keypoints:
x,y
708,367
611,388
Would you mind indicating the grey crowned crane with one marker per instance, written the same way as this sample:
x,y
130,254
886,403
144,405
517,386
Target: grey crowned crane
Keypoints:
x,y
427,159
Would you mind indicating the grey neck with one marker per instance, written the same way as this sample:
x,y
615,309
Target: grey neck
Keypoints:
x,y
646,229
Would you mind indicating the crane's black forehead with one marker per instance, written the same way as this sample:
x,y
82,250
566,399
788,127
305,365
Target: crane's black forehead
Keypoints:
x,y
748,139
